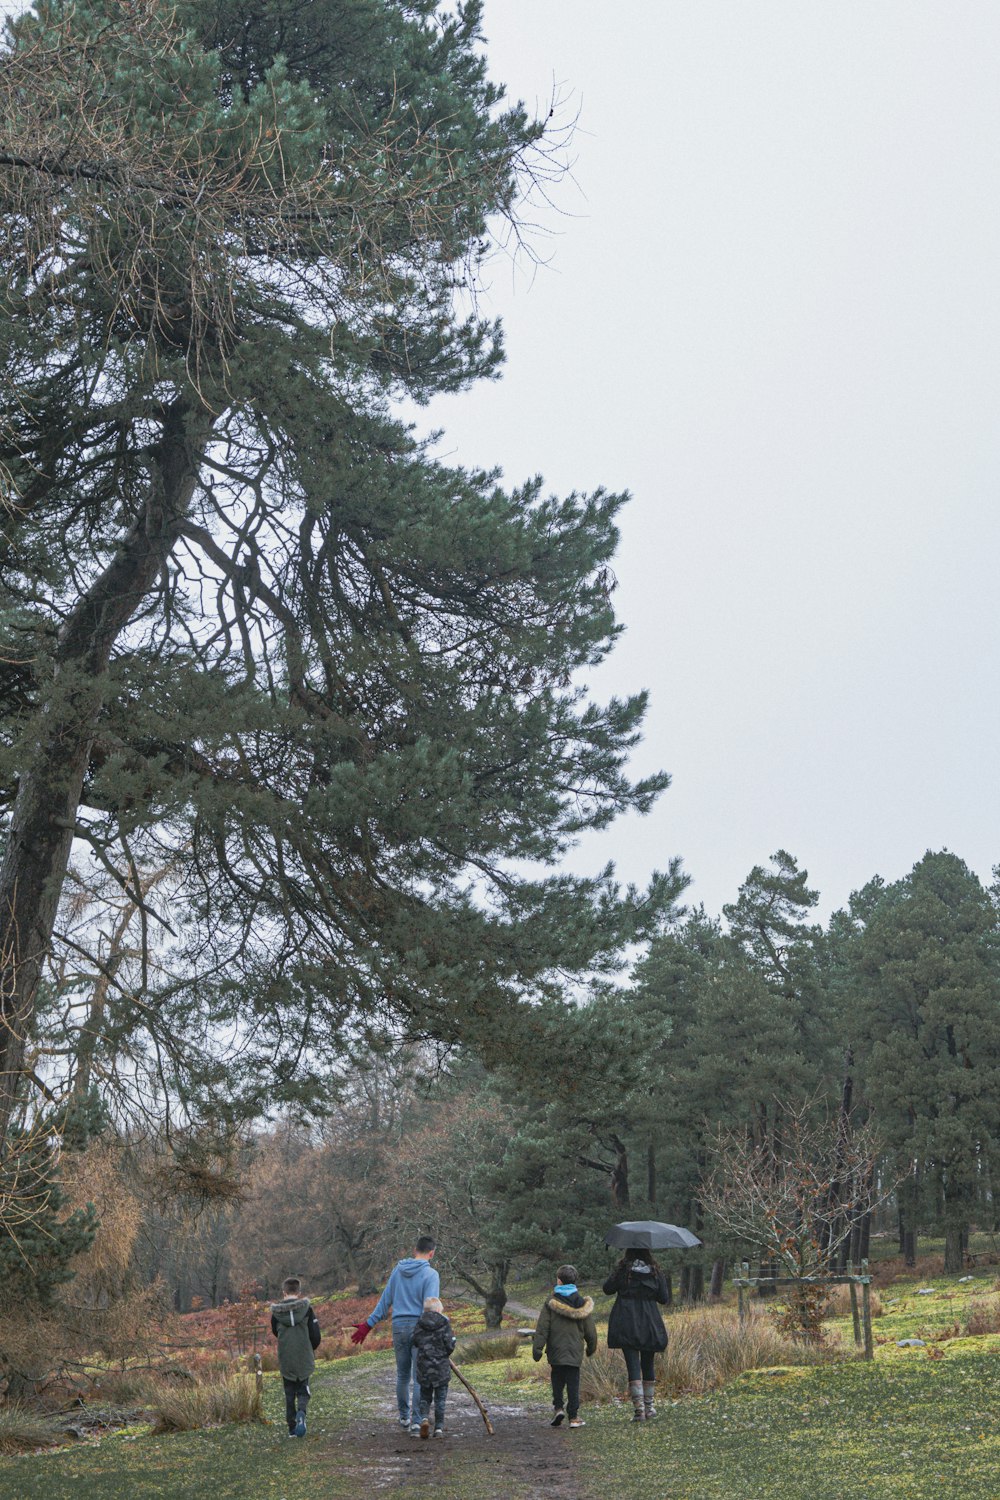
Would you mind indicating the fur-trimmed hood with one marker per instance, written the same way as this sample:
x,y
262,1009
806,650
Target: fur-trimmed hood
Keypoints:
x,y
290,1312
565,1310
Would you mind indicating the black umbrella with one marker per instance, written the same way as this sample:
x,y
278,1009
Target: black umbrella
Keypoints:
x,y
648,1234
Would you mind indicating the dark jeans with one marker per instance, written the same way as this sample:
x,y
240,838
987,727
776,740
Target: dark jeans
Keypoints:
x,y
566,1378
406,1367
297,1395
440,1396
640,1359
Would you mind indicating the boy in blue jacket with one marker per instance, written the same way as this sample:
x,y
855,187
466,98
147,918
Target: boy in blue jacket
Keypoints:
x,y
413,1280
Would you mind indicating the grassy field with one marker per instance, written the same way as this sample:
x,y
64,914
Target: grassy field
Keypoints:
x,y
920,1421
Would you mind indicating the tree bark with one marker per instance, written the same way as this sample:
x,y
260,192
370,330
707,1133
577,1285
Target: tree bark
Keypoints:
x,y
496,1297
51,782
717,1279
620,1196
954,1258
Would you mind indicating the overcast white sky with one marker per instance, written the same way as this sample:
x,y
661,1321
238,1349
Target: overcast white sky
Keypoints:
x,y
773,314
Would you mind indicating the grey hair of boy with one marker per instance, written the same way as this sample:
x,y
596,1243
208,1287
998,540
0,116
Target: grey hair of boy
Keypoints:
x,y
567,1275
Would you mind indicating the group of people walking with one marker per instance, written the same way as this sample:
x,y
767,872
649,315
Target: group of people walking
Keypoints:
x,y
423,1342
566,1333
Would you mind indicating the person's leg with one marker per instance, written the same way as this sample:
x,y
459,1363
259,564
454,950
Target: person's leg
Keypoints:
x,y
649,1382
290,1403
440,1397
402,1344
634,1367
572,1391
426,1394
302,1394
558,1375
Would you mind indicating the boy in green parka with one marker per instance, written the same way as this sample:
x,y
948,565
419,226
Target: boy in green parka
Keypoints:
x,y
294,1324
564,1329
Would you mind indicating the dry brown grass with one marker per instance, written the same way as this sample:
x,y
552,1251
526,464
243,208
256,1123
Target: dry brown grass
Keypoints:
x,y
22,1431
840,1302
235,1398
126,1387
708,1347
885,1272
984,1317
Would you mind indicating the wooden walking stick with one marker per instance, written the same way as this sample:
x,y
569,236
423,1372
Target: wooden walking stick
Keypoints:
x,y
468,1387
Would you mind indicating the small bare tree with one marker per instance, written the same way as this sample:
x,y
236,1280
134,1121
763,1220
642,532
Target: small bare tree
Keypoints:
x,y
794,1198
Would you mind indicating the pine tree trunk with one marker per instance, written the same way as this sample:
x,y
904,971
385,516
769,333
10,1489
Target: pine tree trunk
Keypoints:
x,y
718,1277
909,1246
620,1195
496,1296
51,782
953,1256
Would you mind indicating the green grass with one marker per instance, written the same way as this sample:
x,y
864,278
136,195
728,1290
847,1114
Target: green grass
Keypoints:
x,y
909,1425
225,1463
900,1428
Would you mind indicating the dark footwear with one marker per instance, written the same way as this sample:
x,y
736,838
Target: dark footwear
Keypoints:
x,y
414,1429
439,1432
558,1419
577,1422
425,1428
300,1424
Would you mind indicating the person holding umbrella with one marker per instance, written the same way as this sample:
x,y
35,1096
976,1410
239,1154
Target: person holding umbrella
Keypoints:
x,y
636,1326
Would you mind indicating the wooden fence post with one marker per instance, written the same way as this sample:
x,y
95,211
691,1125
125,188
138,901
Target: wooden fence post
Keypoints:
x,y
866,1304
855,1315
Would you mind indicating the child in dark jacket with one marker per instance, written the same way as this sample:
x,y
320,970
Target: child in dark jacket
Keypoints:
x,y
434,1341
565,1328
295,1326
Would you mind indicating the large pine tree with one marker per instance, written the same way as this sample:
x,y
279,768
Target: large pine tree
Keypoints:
x,y
252,631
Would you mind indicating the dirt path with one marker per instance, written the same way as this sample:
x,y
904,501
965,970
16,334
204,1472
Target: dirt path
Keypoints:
x,y
525,1459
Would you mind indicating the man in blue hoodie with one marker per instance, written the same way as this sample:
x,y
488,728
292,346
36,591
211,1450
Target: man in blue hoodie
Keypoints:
x,y
412,1281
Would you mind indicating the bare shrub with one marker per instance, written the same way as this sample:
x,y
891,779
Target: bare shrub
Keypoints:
x,y
477,1351
984,1317
232,1399
21,1430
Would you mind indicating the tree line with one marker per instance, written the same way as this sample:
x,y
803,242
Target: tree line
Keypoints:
x,y
758,1026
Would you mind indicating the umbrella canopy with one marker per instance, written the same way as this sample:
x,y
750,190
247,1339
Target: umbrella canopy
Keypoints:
x,y
648,1234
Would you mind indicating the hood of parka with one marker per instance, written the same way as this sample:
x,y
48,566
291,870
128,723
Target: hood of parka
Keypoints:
x,y
291,1311
431,1318
577,1309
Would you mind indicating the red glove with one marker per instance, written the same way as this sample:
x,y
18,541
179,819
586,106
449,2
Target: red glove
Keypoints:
x,y
361,1332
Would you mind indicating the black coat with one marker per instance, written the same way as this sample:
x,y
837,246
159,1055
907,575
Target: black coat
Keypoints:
x,y
635,1321
433,1341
